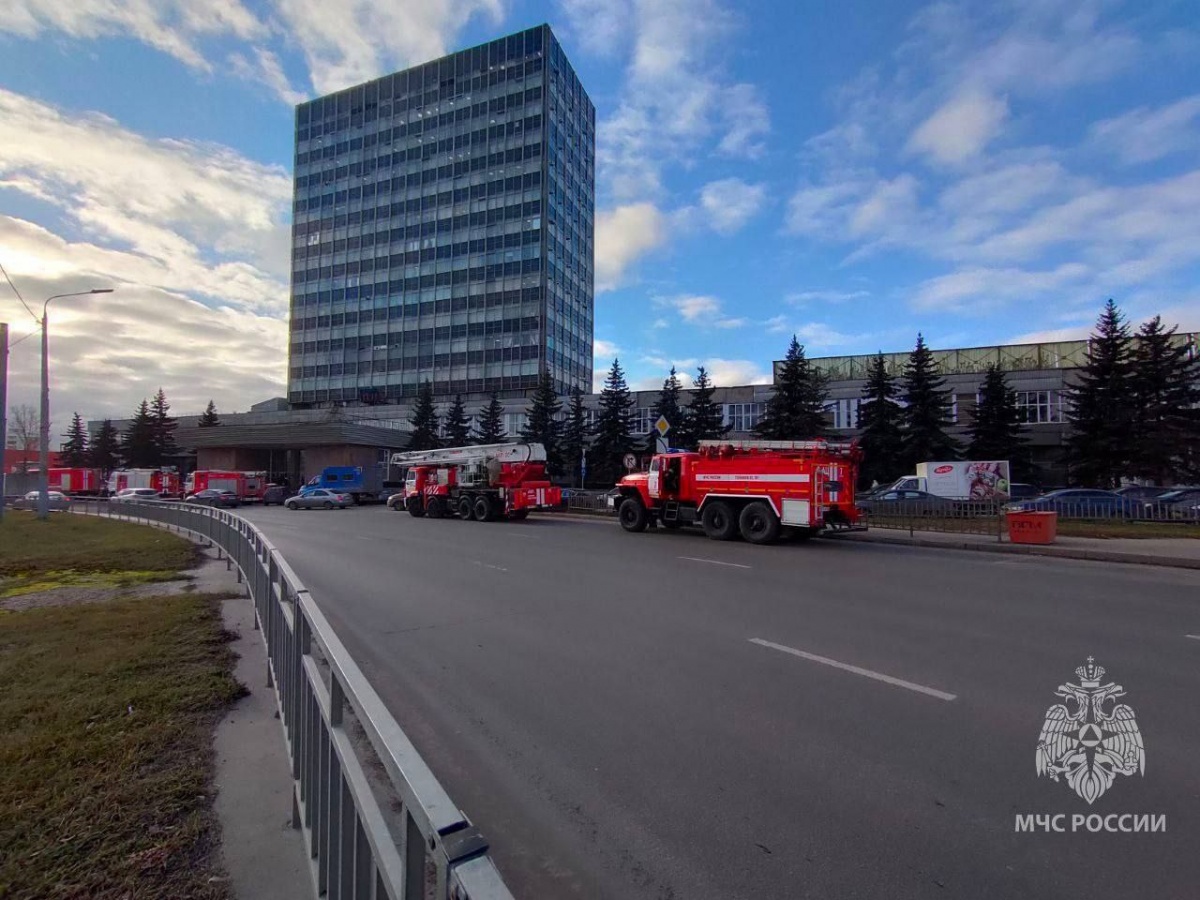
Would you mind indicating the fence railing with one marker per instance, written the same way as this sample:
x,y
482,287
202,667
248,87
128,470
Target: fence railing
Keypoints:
x,y
958,518
398,836
577,500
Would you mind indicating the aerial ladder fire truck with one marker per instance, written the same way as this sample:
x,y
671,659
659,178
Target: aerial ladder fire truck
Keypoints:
x,y
758,490
485,483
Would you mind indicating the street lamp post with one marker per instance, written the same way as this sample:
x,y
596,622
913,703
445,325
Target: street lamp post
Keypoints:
x,y
44,476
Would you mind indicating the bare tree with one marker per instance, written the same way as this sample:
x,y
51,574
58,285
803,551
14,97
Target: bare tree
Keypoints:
x,y
23,433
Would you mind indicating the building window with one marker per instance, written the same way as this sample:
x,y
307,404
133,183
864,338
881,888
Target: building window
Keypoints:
x,y
742,416
1039,407
843,414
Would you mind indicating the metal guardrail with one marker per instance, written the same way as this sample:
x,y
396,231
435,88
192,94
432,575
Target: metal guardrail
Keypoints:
x,y
399,837
578,500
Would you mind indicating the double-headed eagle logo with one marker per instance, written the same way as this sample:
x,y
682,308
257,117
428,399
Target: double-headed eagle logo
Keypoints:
x,y
1088,745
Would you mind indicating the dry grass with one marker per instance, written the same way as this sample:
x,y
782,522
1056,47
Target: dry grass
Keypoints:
x,y
87,544
106,764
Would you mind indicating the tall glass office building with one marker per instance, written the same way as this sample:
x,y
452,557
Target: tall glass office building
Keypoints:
x,y
443,229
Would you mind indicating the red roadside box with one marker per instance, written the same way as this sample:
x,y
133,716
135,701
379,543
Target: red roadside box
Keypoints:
x,y
1032,527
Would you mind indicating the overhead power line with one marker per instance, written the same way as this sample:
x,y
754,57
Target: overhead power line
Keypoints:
x,y
18,293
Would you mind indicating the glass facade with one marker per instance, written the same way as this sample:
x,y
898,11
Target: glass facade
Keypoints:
x,y
443,229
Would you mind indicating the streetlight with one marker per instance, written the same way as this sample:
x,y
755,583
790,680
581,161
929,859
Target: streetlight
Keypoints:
x,y
44,477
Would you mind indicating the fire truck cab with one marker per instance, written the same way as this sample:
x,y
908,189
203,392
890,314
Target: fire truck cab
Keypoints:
x,y
484,483
758,490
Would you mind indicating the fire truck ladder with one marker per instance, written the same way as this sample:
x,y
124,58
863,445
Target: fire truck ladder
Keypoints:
x,y
465,456
796,446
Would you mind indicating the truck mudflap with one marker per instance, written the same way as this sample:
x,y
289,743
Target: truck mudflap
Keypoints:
x,y
836,522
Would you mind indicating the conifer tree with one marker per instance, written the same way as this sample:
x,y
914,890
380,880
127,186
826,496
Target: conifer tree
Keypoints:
x,y
105,451
1103,414
881,419
456,424
490,427
75,450
424,421
614,422
574,438
995,429
138,447
163,429
209,418
927,410
796,410
667,406
705,420
542,423
1166,395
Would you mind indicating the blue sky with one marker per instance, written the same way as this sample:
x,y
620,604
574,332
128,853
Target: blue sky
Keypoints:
x,y
851,173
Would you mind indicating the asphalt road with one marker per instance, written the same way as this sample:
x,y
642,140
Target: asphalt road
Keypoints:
x,y
596,702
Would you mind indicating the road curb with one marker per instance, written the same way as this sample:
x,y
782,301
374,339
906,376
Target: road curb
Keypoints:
x,y
1139,559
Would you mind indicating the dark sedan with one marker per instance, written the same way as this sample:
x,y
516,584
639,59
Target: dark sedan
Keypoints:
x,y
907,503
215,497
1082,503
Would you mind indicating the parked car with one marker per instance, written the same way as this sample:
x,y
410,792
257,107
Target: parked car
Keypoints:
x,y
1141,492
215,497
1082,503
274,494
319,498
136,495
58,500
907,503
396,501
1018,491
1173,502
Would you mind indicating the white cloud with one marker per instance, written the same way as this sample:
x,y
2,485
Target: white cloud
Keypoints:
x,y
702,310
624,235
1144,135
816,336
182,214
349,41
171,26
978,290
602,349
732,372
265,68
960,129
730,203
747,121
799,298
598,26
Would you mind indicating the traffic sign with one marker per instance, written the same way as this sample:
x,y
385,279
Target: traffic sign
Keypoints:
x,y
662,426
630,461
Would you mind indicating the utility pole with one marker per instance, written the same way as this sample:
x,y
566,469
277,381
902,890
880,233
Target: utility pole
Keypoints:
x,y
3,407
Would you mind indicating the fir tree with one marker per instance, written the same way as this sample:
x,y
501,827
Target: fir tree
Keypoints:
x,y
796,410
1166,395
1103,414
614,422
75,450
209,418
490,427
456,424
542,424
667,406
705,420
881,419
574,438
105,450
995,430
163,429
424,421
138,447
927,411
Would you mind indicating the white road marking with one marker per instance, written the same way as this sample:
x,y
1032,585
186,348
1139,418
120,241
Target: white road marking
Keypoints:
x,y
1194,637
489,566
715,562
846,667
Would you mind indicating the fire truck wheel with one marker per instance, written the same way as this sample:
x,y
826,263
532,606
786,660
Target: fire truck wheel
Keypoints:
x,y
483,508
465,509
633,515
436,508
758,523
719,522
415,507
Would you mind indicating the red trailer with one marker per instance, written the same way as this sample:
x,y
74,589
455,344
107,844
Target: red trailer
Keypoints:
x,y
755,489
75,480
484,483
216,480
165,481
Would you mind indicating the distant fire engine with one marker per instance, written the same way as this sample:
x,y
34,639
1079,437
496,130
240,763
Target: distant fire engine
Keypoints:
x,y
75,480
247,485
484,483
165,481
756,489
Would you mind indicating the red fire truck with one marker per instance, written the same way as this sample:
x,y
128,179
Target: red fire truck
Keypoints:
x,y
216,480
484,483
75,480
755,489
165,481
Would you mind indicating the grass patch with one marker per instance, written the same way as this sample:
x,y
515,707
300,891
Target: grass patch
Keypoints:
x,y
19,585
63,542
106,756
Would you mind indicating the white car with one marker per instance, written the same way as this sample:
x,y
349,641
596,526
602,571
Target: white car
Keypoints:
x,y
135,495
58,500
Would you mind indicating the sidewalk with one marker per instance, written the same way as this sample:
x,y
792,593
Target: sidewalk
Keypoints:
x,y
1181,553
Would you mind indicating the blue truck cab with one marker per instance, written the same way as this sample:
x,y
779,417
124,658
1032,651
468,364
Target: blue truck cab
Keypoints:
x,y
352,480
